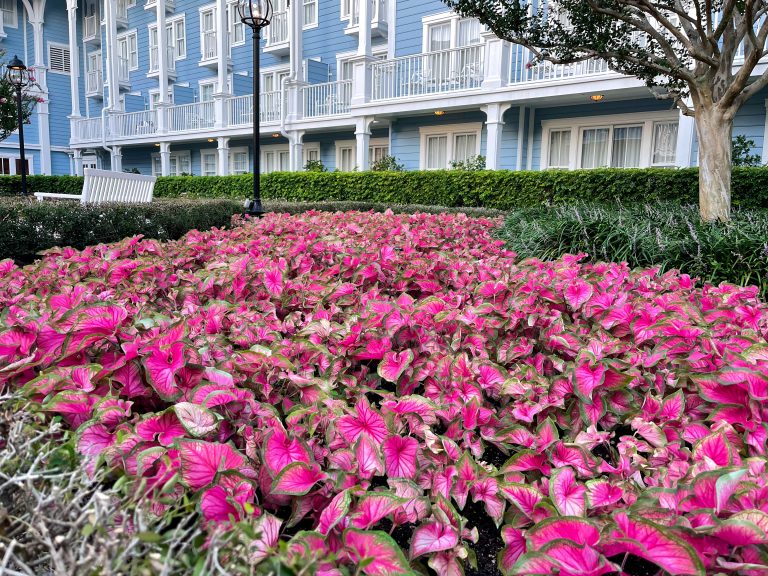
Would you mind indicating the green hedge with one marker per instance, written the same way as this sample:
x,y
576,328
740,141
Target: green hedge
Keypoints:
x,y
11,185
667,235
28,227
503,190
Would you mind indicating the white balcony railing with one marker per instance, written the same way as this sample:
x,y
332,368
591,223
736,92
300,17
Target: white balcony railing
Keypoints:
x,y
240,109
522,69
131,124
190,117
88,130
94,82
209,45
327,99
90,28
429,73
277,31
154,59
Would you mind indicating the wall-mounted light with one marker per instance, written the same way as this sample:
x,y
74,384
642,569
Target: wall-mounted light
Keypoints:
x,y
596,97
276,135
211,140
157,144
439,112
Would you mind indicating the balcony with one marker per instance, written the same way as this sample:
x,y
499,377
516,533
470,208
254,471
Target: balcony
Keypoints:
x,y
121,16
440,72
170,5
133,124
378,18
277,35
240,109
522,69
94,83
87,130
327,99
154,62
191,117
91,29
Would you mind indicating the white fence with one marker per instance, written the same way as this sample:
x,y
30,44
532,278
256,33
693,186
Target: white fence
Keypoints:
x,y
88,130
277,31
523,69
189,117
327,99
240,109
129,124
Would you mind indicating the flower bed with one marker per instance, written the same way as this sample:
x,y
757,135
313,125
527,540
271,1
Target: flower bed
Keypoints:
x,y
385,393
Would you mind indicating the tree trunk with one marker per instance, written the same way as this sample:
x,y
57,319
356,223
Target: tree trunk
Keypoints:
x,y
714,130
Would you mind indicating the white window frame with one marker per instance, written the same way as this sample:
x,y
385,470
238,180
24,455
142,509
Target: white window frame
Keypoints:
x,y
271,148
206,82
578,125
451,131
316,23
13,158
174,156
379,53
209,152
378,143
173,40
313,147
345,145
275,72
65,49
156,92
125,37
203,10
445,18
11,23
233,19
239,150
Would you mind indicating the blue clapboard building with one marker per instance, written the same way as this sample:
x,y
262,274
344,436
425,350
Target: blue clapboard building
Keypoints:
x,y
165,87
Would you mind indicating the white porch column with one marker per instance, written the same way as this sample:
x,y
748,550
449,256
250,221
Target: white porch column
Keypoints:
x,y
494,123
78,162
162,54
531,128
495,61
294,105
361,64
165,158
363,141
520,138
765,135
686,130
223,150
36,19
296,150
222,50
117,158
74,58
110,18
364,28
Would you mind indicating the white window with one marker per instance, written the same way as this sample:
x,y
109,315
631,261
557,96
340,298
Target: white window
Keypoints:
x,y
236,26
345,156
310,13
127,47
559,148
448,30
154,98
346,9
274,159
271,80
209,162
440,145
208,48
59,58
177,42
207,91
617,141
8,14
180,163
378,149
664,143
179,38
238,161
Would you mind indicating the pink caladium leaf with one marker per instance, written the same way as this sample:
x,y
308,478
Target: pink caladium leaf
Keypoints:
x,y
578,293
515,547
202,461
373,507
219,505
163,428
433,537
195,419
578,530
394,364
273,281
603,493
586,379
336,510
524,497
567,493
297,479
280,451
369,460
267,529
653,543
375,553
400,456
94,438
161,367
365,420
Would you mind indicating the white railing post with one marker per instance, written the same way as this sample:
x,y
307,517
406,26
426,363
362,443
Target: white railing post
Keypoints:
x,y
78,154
494,125
165,158
363,140
495,61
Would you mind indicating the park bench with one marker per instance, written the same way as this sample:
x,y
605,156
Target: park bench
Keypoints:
x,y
105,186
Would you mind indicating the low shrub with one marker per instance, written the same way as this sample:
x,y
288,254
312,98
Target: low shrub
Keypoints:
x,y
668,235
500,189
28,227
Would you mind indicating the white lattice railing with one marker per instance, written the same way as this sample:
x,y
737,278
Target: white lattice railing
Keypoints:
x,y
277,31
240,109
522,69
88,130
327,99
129,124
190,117
429,73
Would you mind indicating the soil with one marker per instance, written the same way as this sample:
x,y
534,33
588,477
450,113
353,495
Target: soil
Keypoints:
x,y
636,566
494,456
488,544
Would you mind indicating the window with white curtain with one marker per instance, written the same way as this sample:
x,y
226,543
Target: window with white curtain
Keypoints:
x,y
209,162
274,159
236,26
439,37
559,148
377,151
238,161
468,32
206,91
345,158
440,145
437,152
127,47
634,140
464,147
310,12
664,143
180,163
8,14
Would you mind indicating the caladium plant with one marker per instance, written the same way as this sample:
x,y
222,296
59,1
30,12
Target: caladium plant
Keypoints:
x,y
407,392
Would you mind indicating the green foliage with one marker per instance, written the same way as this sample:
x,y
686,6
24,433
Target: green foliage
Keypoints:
x,y
8,108
472,163
741,152
315,166
387,164
11,185
28,226
667,235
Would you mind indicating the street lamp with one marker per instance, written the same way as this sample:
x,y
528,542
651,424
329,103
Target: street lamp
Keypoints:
x,y
256,14
18,76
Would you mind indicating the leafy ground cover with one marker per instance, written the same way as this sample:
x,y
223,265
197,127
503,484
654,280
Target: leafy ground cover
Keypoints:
x,y
380,394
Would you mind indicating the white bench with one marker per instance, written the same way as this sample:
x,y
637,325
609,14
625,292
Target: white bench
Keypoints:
x,y
105,186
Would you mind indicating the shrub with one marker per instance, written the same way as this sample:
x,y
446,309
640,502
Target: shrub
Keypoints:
x,y
315,166
29,227
669,236
741,152
387,164
472,163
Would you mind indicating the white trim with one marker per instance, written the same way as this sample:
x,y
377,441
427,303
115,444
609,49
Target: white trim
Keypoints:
x,y
231,160
231,22
450,131
346,145
376,52
171,23
15,22
610,121
175,154
316,23
125,36
65,48
12,164
209,151
449,17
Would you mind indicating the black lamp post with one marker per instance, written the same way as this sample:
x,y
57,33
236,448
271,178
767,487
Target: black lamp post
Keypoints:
x,y
256,14
17,76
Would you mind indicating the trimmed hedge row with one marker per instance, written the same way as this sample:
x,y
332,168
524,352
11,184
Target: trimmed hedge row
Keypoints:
x,y
501,189
667,235
29,227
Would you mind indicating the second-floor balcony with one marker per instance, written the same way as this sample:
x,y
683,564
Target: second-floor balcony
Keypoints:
x,y
94,83
191,117
91,29
240,109
277,34
524,69
327,99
